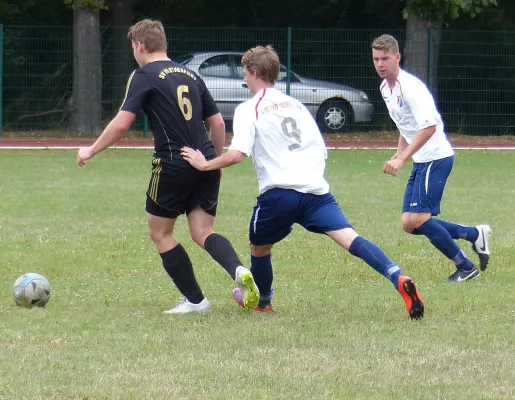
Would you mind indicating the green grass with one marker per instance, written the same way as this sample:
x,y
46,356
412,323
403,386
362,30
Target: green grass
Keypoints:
x,y
339,330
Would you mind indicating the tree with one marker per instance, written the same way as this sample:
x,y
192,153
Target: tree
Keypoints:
x,y
86,101
425,18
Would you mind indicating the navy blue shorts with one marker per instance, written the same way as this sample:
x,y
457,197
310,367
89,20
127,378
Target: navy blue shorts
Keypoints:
x,y
278,209
425,186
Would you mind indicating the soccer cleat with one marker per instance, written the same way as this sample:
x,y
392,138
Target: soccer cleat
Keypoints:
x,y
461,275
411,296
186,307
481,245
248,289
236,294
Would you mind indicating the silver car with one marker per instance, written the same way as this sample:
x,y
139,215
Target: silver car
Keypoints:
x,y
335,107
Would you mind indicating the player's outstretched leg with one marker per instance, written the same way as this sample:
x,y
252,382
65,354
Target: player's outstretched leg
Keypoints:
x,y
248,291
411,296
482,245
378,260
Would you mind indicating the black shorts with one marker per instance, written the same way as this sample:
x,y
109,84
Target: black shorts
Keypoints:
x,y
176,188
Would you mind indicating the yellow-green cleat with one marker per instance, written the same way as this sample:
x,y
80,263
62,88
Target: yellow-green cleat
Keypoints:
x,y
248,289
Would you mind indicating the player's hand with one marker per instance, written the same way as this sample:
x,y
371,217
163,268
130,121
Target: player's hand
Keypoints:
x,y
84,154
393,165
194,157
394,156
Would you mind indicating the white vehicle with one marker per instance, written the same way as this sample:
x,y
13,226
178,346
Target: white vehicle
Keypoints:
x,y
335,107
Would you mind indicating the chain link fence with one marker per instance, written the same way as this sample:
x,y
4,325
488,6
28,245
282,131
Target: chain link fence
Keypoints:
x,y
472,75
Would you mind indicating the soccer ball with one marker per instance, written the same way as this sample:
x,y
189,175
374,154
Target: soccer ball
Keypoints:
x,y
31,290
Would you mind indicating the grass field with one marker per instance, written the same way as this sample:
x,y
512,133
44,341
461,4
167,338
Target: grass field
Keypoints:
x,y
339,330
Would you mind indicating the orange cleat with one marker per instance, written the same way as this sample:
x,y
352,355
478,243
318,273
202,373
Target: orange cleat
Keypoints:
x,y
411,296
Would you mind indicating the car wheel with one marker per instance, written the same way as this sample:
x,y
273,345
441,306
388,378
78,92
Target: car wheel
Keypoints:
x,y
334,116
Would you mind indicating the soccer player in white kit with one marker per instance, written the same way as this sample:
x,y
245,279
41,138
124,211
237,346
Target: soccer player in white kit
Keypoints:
x,y
411,106
289,156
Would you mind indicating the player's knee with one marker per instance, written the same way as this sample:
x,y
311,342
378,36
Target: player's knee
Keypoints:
x,y
199,235
407,227
407,223
158,235
418,219
260,251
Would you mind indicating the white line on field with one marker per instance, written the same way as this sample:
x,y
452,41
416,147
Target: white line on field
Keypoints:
x,y
328,148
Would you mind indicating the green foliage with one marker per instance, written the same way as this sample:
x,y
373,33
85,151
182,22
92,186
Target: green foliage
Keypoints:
x,y
11,11
94,5
443,11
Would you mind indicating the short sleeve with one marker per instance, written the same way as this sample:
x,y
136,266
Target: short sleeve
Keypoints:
x,y
138,86
422,106
209,107
244,131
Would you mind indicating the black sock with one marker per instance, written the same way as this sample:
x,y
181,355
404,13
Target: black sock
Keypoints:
x,y
178,265
223,253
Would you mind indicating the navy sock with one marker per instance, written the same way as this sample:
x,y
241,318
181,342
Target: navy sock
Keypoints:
x,y
443,241
375,257
261,268
221,250
457,231
178,266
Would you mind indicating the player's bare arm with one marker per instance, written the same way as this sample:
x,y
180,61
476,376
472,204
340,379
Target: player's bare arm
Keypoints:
x,y
393,165
198,161
401,145
217,132
111,134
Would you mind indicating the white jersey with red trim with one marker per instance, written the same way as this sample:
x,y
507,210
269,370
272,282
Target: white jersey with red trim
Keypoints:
x,y
412,108
284,141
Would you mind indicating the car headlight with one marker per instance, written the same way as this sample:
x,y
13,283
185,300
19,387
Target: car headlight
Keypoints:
x,y
363,95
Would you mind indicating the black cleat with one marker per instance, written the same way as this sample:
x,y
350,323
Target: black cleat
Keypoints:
x,y
461,275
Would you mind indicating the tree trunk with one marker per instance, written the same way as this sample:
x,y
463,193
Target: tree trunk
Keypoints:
x,y
416,49
421,51
123,60
86,113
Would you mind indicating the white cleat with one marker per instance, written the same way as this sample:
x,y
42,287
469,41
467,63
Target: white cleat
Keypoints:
x,y
185,307
249,290
481,245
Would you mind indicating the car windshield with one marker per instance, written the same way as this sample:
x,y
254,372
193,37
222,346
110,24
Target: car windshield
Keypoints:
x,y
184,59
283,74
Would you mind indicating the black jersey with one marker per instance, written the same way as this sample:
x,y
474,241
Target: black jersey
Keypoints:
x,y
176,103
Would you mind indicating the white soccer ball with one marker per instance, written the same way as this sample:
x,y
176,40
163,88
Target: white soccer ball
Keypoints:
x,y
31,290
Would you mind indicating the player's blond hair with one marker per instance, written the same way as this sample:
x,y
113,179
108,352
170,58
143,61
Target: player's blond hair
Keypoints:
x,y
386,43
263,60
150,33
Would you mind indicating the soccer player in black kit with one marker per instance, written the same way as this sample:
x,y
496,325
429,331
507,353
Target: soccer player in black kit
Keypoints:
x,y
176,103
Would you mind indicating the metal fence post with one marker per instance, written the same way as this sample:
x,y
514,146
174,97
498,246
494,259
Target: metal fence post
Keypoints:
x,y
1,78
430,59
145,126
288,63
